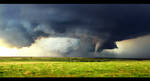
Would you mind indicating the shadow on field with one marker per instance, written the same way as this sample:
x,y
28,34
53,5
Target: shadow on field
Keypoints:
x,y
67,59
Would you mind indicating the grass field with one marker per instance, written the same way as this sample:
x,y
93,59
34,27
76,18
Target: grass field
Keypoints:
x,y
72,67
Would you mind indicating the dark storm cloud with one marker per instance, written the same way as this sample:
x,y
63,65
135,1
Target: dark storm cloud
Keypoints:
x,y
112,22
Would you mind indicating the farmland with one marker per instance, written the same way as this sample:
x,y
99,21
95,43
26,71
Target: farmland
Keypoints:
x,y
72,67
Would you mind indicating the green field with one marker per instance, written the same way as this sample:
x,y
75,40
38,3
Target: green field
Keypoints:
x,y
72,67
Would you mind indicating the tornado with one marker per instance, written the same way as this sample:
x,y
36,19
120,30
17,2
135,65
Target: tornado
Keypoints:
x,y
97,46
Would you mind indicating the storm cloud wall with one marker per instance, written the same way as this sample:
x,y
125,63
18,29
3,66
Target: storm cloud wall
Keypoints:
x,y
22,24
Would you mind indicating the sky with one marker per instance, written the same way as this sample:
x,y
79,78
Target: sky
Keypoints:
x,y
75,30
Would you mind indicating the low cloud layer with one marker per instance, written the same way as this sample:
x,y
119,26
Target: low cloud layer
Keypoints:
x,y
132,48
72,47
53,47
